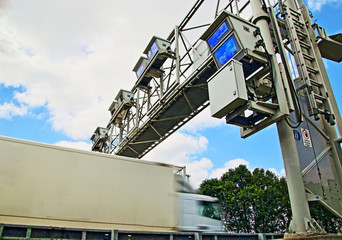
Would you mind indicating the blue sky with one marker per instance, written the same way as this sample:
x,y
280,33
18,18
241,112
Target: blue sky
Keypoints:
x,y
61,68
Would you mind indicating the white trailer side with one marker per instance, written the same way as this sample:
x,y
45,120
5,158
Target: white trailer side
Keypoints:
x,y
47,185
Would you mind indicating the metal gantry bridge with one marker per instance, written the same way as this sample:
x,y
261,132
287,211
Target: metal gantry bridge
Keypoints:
x,y
172,83
255,63
170,91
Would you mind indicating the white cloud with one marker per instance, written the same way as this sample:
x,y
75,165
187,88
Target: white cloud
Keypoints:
x,y
9,110
232,164
179,149
235,163
276,172
29,98
316,5
199,170
76,145
218,172
73,57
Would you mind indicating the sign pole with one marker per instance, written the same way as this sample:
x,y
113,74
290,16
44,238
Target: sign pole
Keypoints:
x,y
299,204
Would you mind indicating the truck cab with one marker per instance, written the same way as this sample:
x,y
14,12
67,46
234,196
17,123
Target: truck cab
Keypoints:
x,y
199,213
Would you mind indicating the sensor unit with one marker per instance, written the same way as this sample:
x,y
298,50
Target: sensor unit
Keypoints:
x,y
157,52
231,37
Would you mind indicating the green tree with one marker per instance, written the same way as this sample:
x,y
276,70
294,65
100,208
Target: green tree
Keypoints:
x,y
326,219
258,201
251,201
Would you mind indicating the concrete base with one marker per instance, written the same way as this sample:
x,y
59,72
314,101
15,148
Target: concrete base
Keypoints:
x,y
312,236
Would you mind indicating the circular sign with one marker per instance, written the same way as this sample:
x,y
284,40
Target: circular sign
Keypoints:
x,y
296,135
305,134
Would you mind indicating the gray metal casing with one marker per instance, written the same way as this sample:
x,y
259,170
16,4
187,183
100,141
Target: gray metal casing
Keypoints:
x,y
244,32
99,133
227,89
113,107
162,44
203,52
143,61
124,101
124,97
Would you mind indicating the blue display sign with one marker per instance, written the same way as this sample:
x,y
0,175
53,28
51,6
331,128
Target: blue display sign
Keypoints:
x,y
226,51
152,51
220,32
140,70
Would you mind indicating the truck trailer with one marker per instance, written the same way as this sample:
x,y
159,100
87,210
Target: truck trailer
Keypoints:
x,y
47,185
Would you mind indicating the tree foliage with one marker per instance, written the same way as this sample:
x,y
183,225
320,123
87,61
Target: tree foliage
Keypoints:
x,y
326,219
251,201
258,201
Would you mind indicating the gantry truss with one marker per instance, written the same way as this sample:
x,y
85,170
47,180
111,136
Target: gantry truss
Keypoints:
x,y
173,95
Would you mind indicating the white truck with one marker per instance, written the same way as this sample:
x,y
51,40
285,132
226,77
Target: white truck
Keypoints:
x,y
47,185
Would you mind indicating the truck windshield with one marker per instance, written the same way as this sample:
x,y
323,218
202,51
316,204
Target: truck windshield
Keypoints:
x,y
210,209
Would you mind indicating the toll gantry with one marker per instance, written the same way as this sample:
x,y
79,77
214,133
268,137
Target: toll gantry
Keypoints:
x,y
174,74
172,84
256,63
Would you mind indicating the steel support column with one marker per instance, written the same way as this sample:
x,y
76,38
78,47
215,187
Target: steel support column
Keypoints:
x,y
299,204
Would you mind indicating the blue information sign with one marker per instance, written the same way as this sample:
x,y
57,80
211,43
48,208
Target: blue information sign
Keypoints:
x,y
296,135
